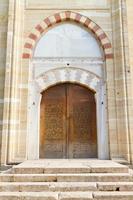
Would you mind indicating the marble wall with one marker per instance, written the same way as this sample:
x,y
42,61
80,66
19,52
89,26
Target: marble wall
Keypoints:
x,y
18,20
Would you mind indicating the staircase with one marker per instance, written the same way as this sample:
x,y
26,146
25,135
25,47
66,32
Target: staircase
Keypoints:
x,y
80,179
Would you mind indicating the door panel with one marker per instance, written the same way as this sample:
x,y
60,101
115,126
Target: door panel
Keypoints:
x,y
82,135
68,122
53,123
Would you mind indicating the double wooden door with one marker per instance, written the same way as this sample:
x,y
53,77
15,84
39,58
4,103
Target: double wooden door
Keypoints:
x,y
68,122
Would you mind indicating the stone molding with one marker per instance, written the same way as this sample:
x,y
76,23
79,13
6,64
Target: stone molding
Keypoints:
x,y
72,75
68,60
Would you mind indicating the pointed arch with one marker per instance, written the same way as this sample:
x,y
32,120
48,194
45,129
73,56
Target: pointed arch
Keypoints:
x,y
72,75
40,28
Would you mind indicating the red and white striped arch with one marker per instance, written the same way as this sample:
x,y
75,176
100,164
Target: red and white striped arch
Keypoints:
x,y
36,33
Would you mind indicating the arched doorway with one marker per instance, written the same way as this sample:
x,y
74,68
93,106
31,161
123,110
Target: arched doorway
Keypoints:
x,y
73,56
68,122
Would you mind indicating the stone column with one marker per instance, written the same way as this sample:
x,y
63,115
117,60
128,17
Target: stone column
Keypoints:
x,y
12,78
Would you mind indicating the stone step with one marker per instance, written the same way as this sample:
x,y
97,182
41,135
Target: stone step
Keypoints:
x,y
64,186
115,186
113,195
69,166
66,195
67,180
49,187
58,170
28,196
69,170
90,177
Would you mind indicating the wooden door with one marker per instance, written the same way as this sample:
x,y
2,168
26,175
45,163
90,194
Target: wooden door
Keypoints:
x,y
82,123
53,123
68,122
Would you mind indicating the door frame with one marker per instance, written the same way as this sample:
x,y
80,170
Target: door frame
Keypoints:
x,y
47,79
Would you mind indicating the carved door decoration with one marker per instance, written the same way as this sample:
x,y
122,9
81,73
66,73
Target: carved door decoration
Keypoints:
x,y
68,122
53,123
82,112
